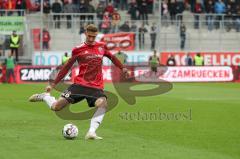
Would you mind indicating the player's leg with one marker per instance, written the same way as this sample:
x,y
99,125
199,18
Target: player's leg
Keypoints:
x,y
51,101
101,104
56,105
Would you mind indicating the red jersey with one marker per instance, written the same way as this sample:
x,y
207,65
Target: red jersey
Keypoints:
x,y
46,36
89,58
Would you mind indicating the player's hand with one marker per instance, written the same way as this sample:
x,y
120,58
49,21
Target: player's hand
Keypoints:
x,y
125,72
49,88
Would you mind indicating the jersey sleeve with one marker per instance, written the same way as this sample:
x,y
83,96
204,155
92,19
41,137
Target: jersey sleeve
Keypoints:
x,y
114,60
66,67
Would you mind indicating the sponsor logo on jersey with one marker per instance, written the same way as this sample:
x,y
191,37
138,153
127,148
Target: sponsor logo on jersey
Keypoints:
x,y
94,56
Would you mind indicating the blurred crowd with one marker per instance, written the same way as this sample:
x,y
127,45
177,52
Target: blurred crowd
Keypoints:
x,y
174,7
213,12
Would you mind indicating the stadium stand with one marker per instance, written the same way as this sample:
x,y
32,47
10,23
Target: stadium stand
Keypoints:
x,y
210,25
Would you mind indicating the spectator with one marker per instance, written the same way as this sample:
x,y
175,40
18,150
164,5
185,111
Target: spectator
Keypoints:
x,y
115,20
100,11
188,60
65,58
182,36
209,11
106,24
56,8
150,6
109,9
133,9
172,10
36,6
90,9
165,13
198,9
238,18
143,11
179,9
116,4
21,5
123,4
69,8
141,36
219,8
46,8
14,44
198,60
153,62
125,27
228,17
10,65
2,7
171,61
153,35
45,39
10,5
82,9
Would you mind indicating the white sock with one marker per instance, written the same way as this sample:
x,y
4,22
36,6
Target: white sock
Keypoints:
x,y
49,100
97,119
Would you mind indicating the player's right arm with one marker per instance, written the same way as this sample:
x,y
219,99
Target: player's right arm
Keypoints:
x,y
64,70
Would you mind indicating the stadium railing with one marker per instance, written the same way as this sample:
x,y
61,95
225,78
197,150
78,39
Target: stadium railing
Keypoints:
x,y
12,12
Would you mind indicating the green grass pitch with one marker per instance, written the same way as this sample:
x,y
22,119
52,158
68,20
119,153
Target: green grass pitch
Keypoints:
x,y
32,131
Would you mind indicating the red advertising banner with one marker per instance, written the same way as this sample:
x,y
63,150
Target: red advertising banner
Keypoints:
x,y
119,41
210,58
36,40
35,74
30,74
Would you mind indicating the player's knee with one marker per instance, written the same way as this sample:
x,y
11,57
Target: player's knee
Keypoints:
x,y
101,102
56,107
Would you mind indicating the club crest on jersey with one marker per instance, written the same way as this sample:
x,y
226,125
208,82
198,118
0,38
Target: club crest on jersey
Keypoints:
x,y
100,49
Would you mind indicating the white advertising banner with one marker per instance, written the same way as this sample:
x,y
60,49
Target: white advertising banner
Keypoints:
x,y
186,74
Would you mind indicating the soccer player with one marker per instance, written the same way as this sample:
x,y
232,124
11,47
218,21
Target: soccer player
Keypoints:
x,y
88,84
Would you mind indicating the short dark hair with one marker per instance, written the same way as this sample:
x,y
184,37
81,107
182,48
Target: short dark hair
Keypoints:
x,y
91,28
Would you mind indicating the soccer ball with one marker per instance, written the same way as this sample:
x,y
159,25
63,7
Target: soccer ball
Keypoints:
x,y
70,131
